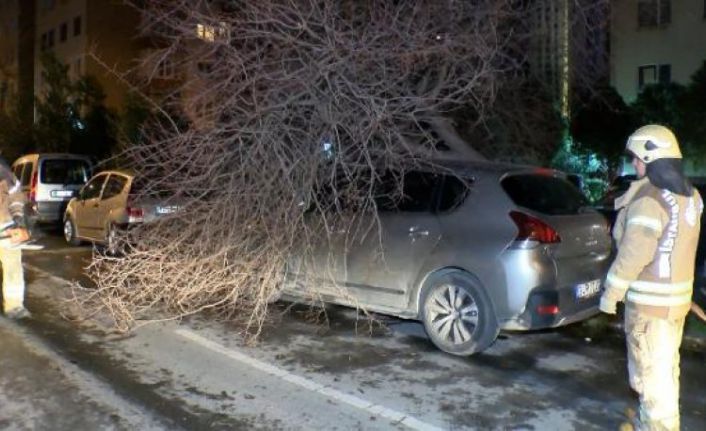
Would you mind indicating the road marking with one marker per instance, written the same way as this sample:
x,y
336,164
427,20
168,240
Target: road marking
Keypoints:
x,y
352,400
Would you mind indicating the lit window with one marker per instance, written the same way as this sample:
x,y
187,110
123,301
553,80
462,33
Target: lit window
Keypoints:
x,y
210,33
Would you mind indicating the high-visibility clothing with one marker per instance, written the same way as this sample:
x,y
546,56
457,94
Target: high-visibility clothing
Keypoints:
x,y
12,203
653,366
12,199
13,283
656,233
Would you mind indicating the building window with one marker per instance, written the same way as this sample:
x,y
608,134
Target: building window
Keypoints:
x,y
43,45
50,39
204,67
165,69
653,74
211,33
77,68
652,13
3,94
47,5
665,73
77,26
63,31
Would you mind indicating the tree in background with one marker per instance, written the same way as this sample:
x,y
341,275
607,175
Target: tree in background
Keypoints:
x,y
56,108
693,109
602,125
71,116
16,135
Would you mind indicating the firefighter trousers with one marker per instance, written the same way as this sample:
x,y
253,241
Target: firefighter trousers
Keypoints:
x,y
13,282
653,366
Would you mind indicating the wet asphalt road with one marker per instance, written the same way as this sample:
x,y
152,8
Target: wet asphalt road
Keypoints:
x,y
198,374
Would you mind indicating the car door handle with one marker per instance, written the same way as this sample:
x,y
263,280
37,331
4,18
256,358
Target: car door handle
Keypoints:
x,y
416,232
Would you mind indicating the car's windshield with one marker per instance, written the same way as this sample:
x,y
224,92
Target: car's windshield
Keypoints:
x,y
546,194
64,171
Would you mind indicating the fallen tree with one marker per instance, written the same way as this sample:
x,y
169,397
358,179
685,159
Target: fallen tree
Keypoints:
x,y
291,111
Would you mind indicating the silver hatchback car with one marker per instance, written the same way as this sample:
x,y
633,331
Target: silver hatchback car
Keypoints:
x,y
481,248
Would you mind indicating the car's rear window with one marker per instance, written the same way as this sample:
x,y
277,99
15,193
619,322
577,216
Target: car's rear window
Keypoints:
x,y
143,188
544,193
64,171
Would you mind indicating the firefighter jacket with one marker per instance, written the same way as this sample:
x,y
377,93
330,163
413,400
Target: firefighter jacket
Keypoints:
x,y
12,199
656,233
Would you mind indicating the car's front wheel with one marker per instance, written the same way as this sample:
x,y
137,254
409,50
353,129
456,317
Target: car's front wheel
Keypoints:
x,y
457,314
70,232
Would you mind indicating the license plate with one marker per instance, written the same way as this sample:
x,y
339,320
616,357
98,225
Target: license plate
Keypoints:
x,y
166,209
588,290
62,193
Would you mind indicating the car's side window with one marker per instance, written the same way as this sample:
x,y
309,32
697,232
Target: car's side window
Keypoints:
x,y
17,171
416,193
93,188
115,185
453,192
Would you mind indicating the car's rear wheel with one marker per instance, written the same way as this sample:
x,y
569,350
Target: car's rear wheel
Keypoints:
x,y
457,314
70,232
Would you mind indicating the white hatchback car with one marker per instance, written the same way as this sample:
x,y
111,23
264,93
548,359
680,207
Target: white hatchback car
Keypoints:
x,y
111,200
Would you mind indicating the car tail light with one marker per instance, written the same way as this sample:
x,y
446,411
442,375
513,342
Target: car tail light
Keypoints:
x,y
548,310
533,229
135,215
33,188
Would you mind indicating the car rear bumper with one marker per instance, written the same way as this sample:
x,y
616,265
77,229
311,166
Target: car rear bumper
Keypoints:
x,y
47,211
553,308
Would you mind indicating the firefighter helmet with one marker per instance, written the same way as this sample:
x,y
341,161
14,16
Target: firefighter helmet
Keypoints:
x,y
653,142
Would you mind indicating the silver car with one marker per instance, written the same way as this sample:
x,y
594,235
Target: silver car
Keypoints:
x,y
482,248
108,202
49,180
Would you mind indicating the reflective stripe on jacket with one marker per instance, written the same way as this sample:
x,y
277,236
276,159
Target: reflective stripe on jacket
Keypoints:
x,y
656,232
12,199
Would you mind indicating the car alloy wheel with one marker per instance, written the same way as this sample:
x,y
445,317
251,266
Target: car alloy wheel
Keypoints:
x,y
70,232
453,314
457,313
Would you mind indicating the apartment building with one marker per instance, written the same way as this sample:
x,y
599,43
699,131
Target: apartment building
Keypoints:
x,y
93,37
16,57
655,41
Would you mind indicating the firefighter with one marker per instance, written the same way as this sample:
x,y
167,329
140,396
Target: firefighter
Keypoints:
x,y
13,233
656,233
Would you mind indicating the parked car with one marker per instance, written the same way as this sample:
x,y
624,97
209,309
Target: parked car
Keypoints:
x,y
483,248
606,205
111,200
50,181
